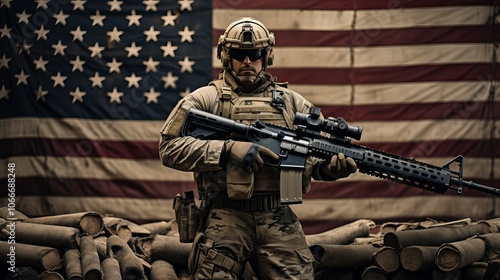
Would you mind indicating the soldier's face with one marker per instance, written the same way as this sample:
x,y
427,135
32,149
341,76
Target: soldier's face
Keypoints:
x,y
247,66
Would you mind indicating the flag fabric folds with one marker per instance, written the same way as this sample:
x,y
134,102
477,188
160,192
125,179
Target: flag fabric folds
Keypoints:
x,y
85,88
420,77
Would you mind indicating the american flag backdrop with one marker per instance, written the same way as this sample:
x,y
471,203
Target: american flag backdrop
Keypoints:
x,y
86,85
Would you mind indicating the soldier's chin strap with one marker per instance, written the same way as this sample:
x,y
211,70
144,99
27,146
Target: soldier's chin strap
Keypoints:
x,y
247,83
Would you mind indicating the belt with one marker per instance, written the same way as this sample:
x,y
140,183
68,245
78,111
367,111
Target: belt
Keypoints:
x,y
256,203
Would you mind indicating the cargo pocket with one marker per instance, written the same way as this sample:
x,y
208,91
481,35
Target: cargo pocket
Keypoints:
x,y
303,269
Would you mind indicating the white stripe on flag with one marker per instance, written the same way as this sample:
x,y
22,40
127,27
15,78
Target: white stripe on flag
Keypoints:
x,y
336,20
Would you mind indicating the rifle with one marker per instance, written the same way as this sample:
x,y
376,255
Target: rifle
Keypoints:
x,y
323,138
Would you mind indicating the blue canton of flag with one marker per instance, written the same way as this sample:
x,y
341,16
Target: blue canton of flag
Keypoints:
x,y
102,59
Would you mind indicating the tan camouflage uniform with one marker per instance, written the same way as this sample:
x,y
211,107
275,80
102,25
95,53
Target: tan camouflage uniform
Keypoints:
x,y
259,230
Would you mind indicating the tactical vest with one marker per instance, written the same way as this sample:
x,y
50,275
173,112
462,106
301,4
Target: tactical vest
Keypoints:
x,y
271,106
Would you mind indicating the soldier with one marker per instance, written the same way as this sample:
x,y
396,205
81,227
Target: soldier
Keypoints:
x,y
245,221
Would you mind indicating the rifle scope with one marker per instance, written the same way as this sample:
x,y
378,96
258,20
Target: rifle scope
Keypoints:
x,y
334,126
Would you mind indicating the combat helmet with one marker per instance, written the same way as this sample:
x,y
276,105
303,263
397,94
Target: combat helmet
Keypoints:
x,y
249,34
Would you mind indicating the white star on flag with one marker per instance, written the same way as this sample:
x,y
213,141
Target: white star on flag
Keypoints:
x,y
151,34
40,94
97,80
151,65
22,78
115,96
114,35
185,5
96,50
5,31
23,17
78,34
40,63
186,35
133,80
133,18
170,80
25,47
4,62
151,4
115,5
60,18
4,93
5,3
152,96
78,4
114,66
133,50
169,19
97,19
185,93
186,65
77,95
41,33
58,79
42,4
59,48
77,64
169,50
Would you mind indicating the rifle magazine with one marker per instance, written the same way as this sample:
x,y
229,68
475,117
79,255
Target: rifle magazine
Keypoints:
x,y
291,185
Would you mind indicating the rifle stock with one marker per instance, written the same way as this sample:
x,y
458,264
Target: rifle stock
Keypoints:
x,y
294,146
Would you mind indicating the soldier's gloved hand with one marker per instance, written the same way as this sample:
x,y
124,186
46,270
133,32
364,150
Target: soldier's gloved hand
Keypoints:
x,y
339,167
248,154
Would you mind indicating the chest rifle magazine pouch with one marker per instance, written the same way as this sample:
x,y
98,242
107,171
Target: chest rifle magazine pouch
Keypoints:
x,y
186,214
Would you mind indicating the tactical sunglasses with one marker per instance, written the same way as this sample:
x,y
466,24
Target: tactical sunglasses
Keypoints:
x,y
240,55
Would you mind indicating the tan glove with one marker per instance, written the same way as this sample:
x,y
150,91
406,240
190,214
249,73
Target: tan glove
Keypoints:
x,y
339,167
248,154
242,160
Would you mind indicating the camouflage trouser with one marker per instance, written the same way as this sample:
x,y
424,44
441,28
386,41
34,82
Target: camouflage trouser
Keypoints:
x,y
273,242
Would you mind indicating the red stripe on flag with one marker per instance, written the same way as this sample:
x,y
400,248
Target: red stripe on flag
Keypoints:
x,y
415,111
440,148
101,188
60,148
78,147
340,5
380,75
381,188
157,189
380,37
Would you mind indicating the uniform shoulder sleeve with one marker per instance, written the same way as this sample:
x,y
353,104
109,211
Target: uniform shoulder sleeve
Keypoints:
x,y
204,98
184,152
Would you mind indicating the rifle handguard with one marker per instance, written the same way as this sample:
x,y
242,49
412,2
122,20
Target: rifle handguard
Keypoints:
x,y
338,167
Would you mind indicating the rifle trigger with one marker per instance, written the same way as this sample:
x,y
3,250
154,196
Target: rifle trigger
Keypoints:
x,y
270,162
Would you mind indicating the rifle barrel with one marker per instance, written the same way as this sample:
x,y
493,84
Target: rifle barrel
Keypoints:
x,y
475,186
